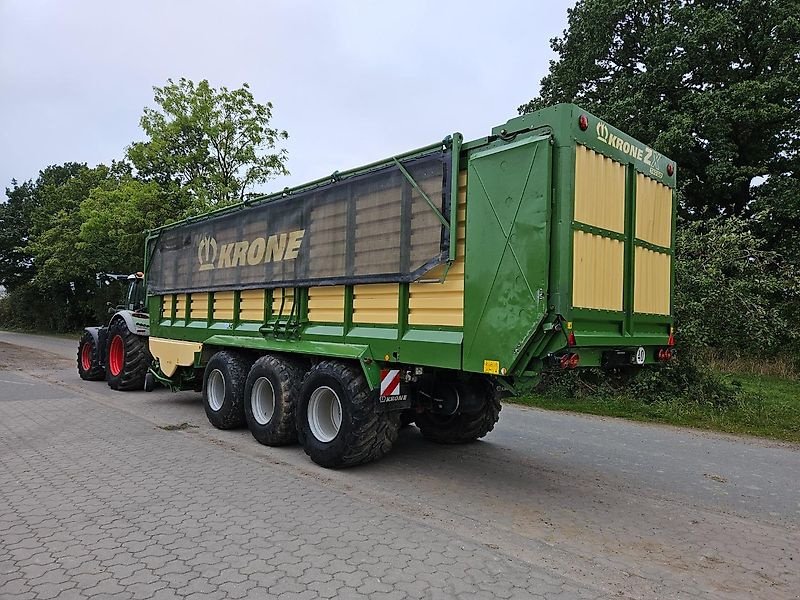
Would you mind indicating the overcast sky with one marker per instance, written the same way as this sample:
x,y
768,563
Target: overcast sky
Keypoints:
x,y
352,82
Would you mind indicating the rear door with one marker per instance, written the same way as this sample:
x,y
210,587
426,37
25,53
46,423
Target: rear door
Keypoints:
x,y
622,248
507,252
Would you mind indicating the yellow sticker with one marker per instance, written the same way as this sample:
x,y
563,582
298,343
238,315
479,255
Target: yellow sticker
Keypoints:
x,y
491,366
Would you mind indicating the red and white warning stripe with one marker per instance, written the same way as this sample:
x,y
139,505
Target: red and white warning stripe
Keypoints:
x,y
390,382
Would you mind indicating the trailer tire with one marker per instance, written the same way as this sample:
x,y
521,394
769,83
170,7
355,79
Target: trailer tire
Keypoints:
x,y
127,358
362,434
89,367
270,395
223,389
465,427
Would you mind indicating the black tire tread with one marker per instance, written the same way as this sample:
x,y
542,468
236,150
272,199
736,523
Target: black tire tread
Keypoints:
x,y
238,366
96,372
290,374
374,432
137,358
465,427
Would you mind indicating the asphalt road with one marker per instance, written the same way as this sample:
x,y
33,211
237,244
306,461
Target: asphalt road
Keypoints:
x,y
97,499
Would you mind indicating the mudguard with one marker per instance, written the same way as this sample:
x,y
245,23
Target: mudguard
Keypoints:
x,y
137,323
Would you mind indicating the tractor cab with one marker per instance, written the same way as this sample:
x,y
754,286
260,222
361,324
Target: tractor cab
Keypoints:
x,y
135,295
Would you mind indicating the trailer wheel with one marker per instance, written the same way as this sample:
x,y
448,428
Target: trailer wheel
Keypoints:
x,y
89,367
270,395
223,389
462,428
337,421
127,358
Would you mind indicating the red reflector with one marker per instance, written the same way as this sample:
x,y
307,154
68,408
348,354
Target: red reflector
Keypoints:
x,y
671,340
571,338
583,122
670,169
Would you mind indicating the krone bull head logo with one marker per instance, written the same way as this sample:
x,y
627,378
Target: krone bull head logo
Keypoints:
x,y
207,252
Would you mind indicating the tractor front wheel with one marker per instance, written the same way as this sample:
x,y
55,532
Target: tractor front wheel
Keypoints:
x,y
89,367
128,358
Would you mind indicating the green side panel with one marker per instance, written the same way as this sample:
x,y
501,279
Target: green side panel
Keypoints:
x,y
507,254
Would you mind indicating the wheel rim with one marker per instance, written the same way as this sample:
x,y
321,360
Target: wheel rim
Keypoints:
x,y
216,390
262,401
324,414
116,355
86,356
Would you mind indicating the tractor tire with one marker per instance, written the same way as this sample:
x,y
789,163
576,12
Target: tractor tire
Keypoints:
x,y
223,389
462,428
127,358
89,367
338,423
270,395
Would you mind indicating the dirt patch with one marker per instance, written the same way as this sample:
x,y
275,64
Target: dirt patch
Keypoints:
x,y
180,427
20,358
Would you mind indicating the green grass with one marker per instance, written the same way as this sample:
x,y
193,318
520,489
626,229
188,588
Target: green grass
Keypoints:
x,y
770,408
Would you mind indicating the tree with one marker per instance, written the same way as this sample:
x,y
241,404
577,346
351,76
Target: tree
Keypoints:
x,y
114,221
16,265
714,84
213,144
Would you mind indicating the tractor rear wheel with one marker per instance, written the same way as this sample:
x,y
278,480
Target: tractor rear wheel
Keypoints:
x,y
128,358
89,367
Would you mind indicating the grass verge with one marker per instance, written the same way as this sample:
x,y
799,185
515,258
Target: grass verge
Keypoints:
x,y
771,409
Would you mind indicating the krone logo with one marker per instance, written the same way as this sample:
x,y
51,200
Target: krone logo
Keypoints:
x,y
643,153
241,253
207,252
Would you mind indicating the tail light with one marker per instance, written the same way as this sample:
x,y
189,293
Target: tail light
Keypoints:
x,y
583,122
569,361
665,354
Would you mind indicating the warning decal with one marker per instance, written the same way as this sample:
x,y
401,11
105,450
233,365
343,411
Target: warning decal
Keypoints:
x,y
390,382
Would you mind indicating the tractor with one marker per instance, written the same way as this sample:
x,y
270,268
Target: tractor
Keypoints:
x,y
119,352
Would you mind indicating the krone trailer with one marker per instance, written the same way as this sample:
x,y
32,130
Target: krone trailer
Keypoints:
x,y
421,288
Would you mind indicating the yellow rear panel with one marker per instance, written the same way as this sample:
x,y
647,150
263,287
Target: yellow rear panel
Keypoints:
x,y
443,303
277,300
166,306
326,304
180,306
597,271
223,306
599,190
652,282
653,211
199,310
376,303
251,305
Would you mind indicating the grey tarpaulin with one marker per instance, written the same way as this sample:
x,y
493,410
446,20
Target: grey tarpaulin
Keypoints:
x,y
373,227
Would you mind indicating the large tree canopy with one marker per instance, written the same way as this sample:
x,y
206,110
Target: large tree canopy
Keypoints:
x,y
213,143
714,84
205,147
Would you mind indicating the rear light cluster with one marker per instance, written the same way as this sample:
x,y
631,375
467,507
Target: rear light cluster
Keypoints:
x,y
569,361
665,354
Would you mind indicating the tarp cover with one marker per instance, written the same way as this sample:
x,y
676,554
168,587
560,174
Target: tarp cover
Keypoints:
x,y
374,227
